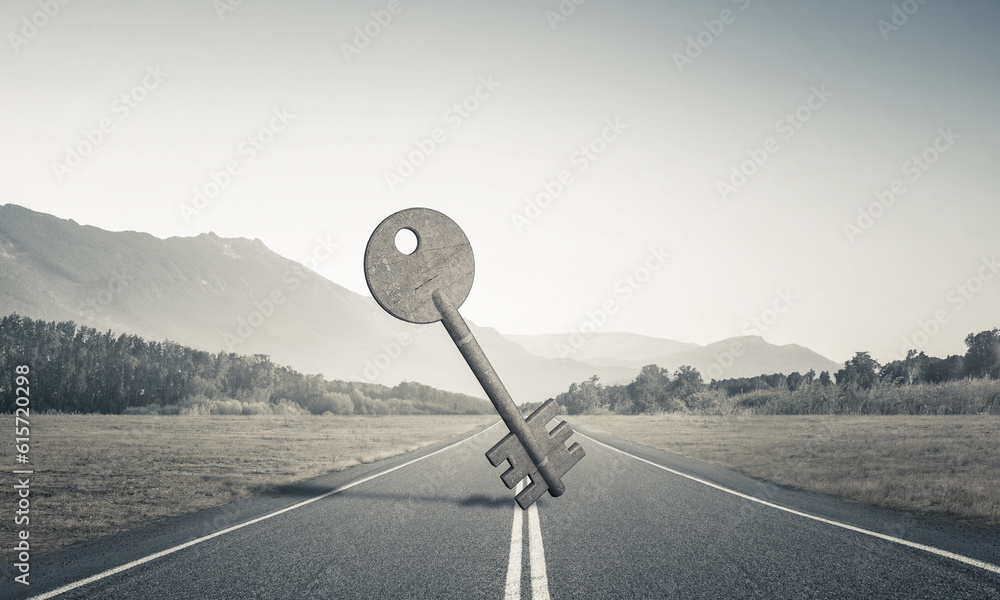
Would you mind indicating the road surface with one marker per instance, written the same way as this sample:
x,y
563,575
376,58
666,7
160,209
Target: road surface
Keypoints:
x,y
634,522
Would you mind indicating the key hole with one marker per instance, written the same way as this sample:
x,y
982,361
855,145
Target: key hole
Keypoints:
x,y
407,240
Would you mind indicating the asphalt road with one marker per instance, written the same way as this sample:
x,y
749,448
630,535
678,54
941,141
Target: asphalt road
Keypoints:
x,y
634,523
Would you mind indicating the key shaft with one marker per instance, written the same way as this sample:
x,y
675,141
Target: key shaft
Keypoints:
x,y
495,390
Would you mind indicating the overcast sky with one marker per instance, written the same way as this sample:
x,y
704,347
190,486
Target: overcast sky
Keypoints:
x,y
669,99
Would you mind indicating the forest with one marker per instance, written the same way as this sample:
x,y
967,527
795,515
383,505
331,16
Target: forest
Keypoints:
x,y
77,369
918,384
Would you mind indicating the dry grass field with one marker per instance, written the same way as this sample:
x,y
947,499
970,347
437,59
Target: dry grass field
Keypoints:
x,y
100,474
945,466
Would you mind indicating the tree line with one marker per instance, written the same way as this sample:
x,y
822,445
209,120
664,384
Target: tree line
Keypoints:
x,y
77,369
917,384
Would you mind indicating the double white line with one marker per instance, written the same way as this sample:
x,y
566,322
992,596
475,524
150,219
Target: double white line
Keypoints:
x,y
536,552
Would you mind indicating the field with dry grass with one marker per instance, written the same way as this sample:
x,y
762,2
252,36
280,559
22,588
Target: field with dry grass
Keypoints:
x,y
100,474
944,466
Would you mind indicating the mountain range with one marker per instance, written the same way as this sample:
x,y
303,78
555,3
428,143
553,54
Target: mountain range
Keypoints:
x,y
744,356
237,295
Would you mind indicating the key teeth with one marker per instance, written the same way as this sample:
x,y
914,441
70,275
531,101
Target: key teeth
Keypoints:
x,y
546,412
510,478
510,449
530,493
503,450
495,458
561,433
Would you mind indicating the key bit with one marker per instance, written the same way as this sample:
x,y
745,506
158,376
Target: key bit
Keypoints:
x,y
560,459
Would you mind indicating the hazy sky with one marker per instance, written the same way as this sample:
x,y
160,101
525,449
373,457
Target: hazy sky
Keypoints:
x,y
668,99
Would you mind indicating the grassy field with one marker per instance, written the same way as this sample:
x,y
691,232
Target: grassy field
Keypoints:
x,y
945,466
100,474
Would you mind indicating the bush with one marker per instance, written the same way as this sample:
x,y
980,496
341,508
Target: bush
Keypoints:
x,y
151,409
285,407
709,402
257,408
758,400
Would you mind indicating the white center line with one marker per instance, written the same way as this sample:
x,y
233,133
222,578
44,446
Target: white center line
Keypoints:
x,y
151,557
536,553
965,559
512,591
539,580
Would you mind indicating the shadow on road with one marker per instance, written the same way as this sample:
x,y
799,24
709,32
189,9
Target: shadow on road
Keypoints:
x,y
310,490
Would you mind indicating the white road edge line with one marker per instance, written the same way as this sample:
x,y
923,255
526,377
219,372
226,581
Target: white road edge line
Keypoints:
x,y
539,579
162,553
512,589
965,559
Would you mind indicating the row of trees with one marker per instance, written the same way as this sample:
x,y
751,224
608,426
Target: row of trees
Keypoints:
x,y
81,370
654,390
794,381
981,360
